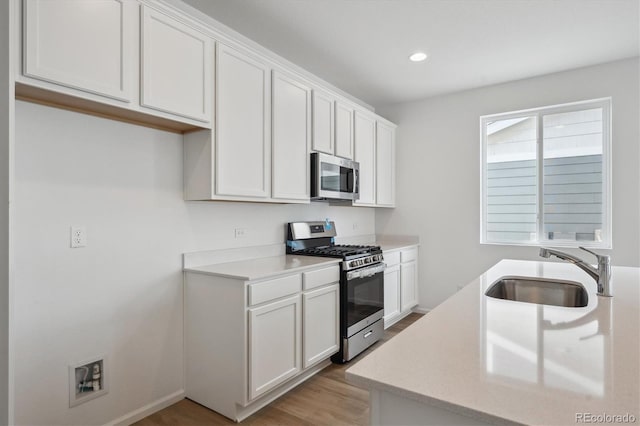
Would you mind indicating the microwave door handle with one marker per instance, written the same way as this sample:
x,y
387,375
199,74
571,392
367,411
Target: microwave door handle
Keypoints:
x,y
356,181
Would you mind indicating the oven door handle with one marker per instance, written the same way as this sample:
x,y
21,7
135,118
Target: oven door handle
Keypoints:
x,y
366,272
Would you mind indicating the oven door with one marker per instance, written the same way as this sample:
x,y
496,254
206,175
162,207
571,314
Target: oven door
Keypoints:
x,y
364,293
333,177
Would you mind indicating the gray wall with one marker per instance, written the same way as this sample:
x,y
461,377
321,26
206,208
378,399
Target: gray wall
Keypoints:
x,y
438,182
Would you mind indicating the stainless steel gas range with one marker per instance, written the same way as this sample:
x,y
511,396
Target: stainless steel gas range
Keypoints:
x,y
361,283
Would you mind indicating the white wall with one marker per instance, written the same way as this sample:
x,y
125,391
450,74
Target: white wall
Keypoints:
x,y
122,295
6,141
438,155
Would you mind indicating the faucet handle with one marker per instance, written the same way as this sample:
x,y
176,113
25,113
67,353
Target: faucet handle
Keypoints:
x,y
600,257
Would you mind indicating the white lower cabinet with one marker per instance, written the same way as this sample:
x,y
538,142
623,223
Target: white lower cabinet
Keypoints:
x,y
400,284
391,293
321,324
248,342
408,290
274,344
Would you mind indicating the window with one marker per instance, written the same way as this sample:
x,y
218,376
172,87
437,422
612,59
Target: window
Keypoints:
x,y
546,176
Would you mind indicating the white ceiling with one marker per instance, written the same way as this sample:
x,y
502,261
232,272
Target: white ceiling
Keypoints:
x,y
361,46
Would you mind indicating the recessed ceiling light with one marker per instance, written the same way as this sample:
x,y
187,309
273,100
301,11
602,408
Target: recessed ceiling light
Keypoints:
x,y
418,57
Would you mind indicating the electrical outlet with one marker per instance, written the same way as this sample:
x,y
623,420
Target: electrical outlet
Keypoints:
x,y
241,232
355,226
78,236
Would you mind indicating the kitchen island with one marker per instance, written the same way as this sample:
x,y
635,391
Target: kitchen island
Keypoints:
x,y
479,360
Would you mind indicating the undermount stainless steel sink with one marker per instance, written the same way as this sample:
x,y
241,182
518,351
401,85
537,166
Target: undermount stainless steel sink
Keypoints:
x,y
543,291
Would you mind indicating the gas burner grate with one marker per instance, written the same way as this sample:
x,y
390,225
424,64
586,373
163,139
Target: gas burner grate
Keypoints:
x,y
340,250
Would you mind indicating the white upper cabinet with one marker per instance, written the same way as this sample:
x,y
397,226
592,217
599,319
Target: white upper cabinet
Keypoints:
x,y
344,130
385,165
374,144
177,69
291,137
365,155
250,120
323,122
332,125
243,163
80,44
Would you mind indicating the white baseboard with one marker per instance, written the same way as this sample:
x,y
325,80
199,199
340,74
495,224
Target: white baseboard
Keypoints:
x,y
148,409
421,310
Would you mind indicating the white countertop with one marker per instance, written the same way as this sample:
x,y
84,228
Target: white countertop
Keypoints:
x,y
504,361
397,244
217,262
385,241
266,267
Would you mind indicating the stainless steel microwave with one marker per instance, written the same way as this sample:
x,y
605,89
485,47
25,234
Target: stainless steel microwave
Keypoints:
x,y
333,178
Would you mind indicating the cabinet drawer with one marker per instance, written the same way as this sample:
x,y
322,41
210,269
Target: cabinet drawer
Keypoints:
x,y
321,277
274,289
408,255
392,258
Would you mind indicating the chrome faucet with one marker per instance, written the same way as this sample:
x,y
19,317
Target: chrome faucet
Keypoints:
x,y
602,274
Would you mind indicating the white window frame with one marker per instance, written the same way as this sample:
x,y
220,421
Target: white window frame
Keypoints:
x,y
607,227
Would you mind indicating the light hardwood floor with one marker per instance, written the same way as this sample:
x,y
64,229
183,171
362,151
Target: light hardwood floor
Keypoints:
x,y
324,399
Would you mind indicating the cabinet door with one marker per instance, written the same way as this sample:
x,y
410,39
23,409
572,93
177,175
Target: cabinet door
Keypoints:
x,y
385,165
80,44
243,125
391,293
291,135
274,344
365,155
408,285
321,324
323,122
344,131
176,63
